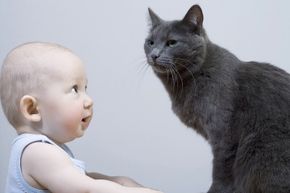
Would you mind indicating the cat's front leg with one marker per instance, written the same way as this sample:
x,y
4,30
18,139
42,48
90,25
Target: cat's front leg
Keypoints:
x,y
222,170
220,187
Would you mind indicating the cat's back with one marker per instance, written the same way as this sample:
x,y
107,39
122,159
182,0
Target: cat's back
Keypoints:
x,y
263,80
262,95
262,70
261,112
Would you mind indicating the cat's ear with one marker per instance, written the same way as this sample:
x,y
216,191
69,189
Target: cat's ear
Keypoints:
x,y
194,16
154,18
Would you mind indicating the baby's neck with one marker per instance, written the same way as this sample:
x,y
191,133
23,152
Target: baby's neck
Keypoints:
x,y
26,129
29,130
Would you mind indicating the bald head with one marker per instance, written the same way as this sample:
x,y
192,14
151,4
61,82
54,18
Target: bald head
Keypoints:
x,y
25,71
32,56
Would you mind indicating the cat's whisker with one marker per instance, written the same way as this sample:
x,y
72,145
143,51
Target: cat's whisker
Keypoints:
x,y
142,62
181,79
143,66
167,62
179,60
173,79
143,70
176,76
167,76
177,82
184,66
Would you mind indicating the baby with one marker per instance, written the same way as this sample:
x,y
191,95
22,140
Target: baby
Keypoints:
x,y
43,95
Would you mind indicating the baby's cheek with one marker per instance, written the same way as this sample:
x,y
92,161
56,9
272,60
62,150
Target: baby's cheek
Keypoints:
x,y
73,117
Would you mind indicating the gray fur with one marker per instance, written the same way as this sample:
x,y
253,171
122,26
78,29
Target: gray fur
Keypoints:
x,y
241,108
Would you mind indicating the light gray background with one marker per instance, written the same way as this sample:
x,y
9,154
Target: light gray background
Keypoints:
x,y
134,131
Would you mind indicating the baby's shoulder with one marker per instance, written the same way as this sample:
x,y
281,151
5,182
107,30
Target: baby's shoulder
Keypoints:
x,y
39,153
42,161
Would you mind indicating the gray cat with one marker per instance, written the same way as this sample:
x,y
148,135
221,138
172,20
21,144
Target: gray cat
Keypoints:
x,y
241,108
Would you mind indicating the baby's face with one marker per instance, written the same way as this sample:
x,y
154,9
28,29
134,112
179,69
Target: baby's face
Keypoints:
x,y
65,107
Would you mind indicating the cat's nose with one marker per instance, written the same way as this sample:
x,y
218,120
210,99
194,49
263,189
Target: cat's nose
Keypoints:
x,y
155,56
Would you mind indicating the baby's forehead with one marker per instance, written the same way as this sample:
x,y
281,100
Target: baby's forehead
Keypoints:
x,y
35,51
35,47
39,55
42,60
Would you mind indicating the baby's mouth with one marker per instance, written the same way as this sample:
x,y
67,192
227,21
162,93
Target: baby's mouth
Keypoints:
x,y
86,119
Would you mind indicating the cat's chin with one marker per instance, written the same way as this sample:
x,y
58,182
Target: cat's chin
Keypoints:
x,y
159,69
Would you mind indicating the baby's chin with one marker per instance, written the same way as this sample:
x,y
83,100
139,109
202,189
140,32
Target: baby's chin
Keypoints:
x,y
82,130
78,134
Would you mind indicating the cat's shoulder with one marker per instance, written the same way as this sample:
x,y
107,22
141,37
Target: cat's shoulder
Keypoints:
x,y
262,75
253,68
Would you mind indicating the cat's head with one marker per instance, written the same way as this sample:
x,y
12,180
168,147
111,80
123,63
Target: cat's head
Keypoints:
x,y
176,45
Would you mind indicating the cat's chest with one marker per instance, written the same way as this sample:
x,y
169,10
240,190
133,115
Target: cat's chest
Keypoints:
x,y
187,110
184,109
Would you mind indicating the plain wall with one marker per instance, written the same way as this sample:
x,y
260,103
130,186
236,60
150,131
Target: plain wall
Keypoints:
x,y
134,131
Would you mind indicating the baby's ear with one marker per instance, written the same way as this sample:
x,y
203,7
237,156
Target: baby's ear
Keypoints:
x,y
29,108
154,19
194,16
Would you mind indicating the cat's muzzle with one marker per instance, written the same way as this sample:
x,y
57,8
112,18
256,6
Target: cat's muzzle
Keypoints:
x,y
158,66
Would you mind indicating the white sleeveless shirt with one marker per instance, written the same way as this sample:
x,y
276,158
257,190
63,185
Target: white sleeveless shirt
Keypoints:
x,y
15,182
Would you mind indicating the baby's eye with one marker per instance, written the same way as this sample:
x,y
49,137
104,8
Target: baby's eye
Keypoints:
x,y
75,89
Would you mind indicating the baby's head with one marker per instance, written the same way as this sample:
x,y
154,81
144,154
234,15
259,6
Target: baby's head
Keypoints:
x,y
43,90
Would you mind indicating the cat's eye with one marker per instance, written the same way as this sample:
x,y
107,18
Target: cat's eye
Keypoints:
x,y
75,89
171,43
150,42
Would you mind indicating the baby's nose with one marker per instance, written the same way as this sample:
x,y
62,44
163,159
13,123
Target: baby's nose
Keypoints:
x,y
88,103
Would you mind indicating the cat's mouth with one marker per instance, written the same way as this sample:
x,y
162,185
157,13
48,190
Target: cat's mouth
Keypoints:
x,y
159,68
